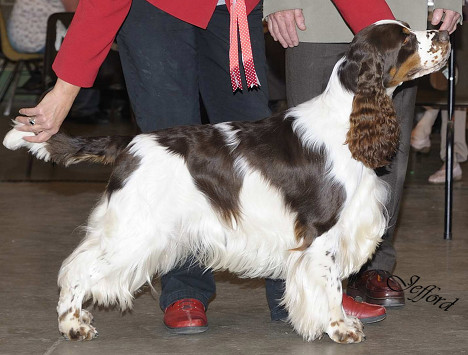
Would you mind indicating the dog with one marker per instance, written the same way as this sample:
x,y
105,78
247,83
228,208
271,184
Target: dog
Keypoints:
x,y
293,196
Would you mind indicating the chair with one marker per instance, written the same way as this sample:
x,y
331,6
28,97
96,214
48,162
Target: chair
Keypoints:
x,y
20,60
57,26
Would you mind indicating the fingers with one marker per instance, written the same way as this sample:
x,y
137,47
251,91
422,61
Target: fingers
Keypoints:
x,y
42,131
28,123
31,119
32,111
449,19
282,26
45,119
300,20
39,137
437,15
275,32
29,114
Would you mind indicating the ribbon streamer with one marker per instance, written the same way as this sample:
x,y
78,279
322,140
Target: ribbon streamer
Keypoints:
x,y
238,21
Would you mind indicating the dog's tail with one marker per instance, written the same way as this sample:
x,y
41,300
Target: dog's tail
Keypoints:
x,y
66,150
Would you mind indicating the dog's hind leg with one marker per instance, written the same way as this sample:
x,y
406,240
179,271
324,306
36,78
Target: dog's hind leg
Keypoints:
x,y
73,321
313,296
75,281
119,253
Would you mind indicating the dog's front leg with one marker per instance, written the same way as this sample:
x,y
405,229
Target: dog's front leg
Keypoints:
x,y
313,296
341,328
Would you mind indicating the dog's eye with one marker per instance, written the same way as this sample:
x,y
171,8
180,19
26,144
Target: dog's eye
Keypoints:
x,y
406,40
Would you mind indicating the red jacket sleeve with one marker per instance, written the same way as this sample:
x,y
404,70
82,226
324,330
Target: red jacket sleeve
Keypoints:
x,y
362,13
89,39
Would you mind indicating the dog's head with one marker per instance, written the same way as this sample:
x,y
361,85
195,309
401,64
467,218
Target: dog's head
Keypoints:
x,y
381,57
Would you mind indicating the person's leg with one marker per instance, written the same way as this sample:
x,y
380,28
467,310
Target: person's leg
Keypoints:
x,y
460,150
159,61
222,105
394,175
212,48
308,68
246,105
420,136
373,283
459,129
274,293
187,281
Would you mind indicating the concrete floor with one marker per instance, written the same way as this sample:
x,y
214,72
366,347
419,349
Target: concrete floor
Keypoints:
x,y
40,216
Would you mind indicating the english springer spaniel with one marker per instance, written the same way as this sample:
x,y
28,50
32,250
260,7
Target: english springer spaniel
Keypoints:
x,y
293,196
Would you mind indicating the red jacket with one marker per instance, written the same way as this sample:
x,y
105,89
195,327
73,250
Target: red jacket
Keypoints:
x,y
96,23
362,13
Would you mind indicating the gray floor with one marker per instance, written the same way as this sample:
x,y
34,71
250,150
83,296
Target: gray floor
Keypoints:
x,y
40,215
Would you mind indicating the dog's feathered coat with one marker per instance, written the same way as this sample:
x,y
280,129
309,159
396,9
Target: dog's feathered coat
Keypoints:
x,y
293,196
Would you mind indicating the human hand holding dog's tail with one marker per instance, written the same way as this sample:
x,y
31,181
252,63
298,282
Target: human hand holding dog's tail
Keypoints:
x,y
45,119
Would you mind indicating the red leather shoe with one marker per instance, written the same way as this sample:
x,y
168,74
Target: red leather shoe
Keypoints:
x,y
376,287
366,312
186,316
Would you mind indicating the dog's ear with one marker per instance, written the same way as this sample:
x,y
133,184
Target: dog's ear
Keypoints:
x,y
374,132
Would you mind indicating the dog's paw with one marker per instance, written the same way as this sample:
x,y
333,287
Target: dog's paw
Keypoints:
x,y
346,331
83,332
77,325
86,316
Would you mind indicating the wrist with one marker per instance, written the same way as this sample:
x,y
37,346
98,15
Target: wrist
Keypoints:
x,y
63,88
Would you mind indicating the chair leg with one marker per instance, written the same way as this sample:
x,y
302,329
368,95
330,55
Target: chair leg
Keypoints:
x,y
4,64
8,80
29,166
16,77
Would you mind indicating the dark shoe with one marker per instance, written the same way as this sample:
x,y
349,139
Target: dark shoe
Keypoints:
x,y
186,316
366,312
376,287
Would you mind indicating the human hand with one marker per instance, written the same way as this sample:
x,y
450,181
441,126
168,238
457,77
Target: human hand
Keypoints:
x,y
45,119
449,22
282,26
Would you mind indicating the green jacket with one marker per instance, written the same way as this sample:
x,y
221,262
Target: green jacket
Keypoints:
x,y
325,25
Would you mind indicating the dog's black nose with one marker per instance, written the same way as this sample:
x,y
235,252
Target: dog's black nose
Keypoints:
x,y
442,36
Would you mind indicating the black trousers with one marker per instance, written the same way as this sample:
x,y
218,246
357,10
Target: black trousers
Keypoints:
x,y
169,65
